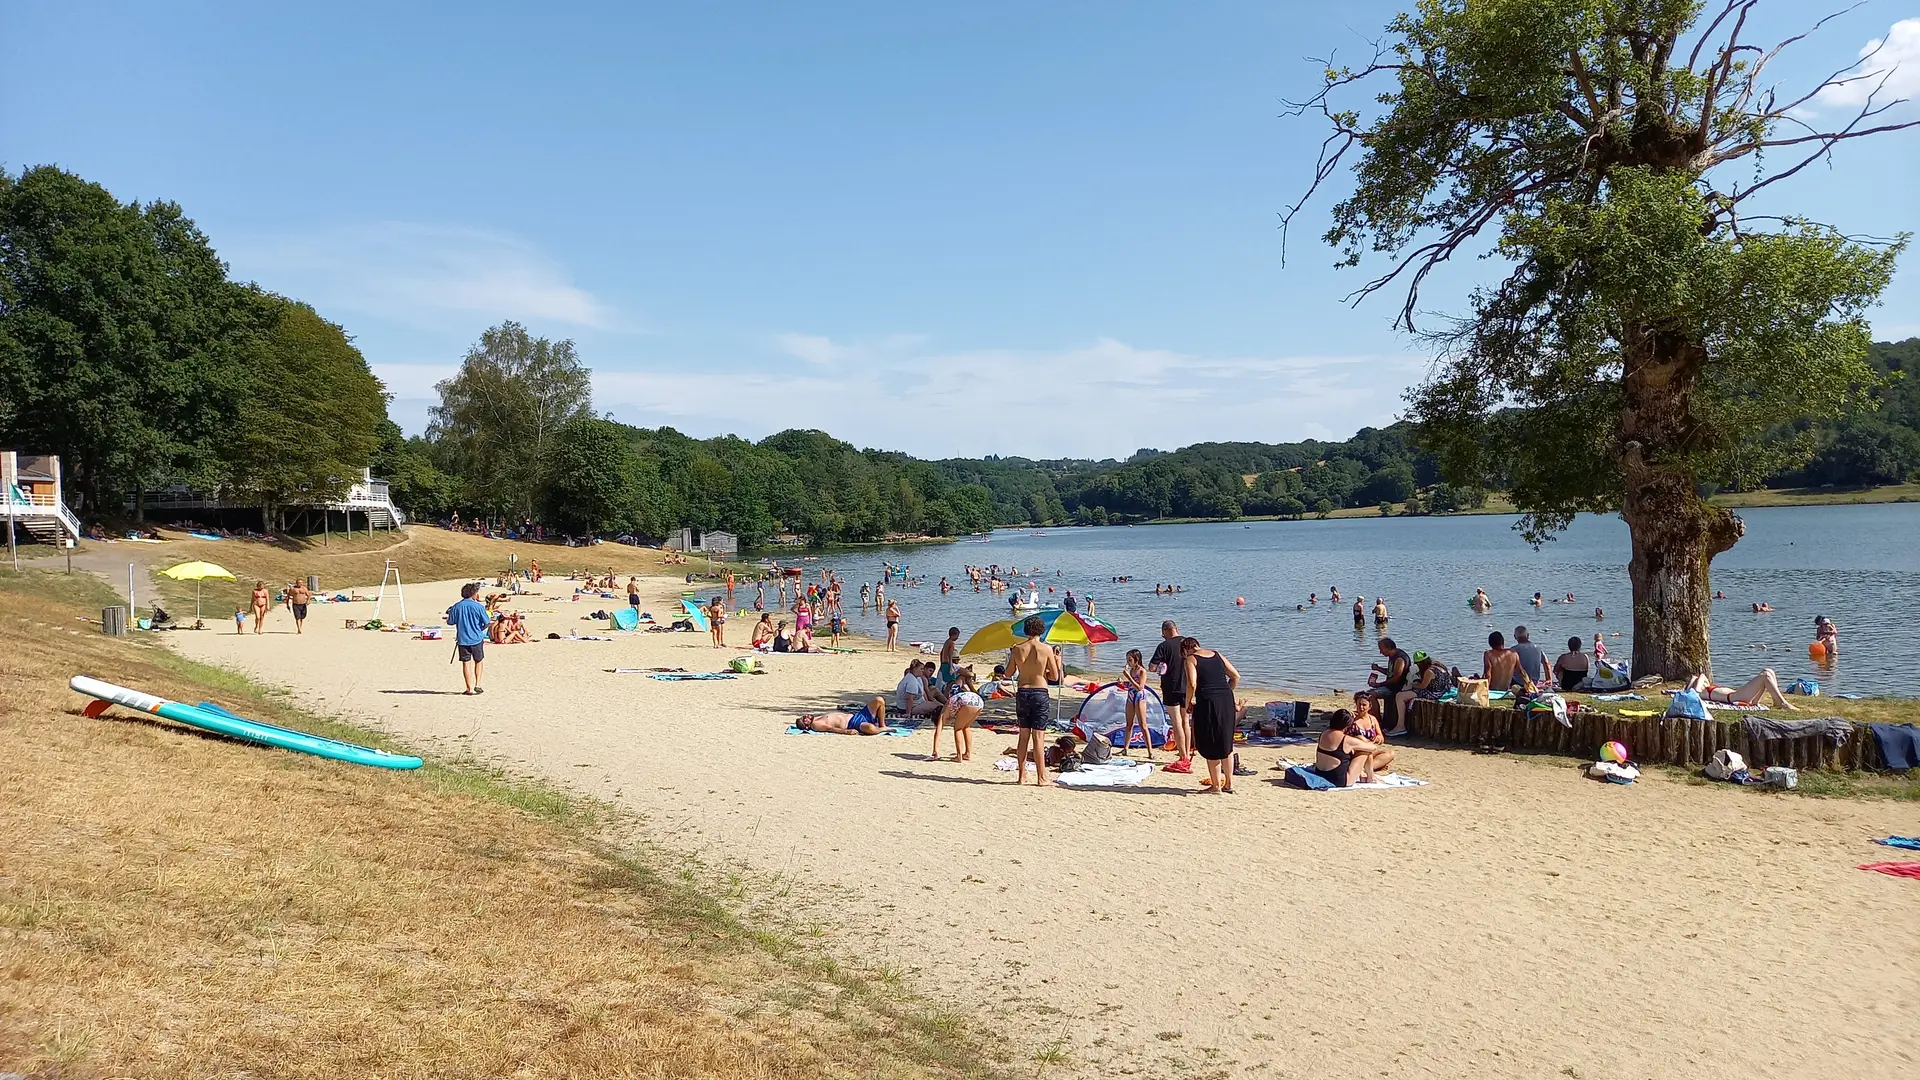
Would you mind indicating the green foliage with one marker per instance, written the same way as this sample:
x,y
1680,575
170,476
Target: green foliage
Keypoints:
x,y
592,483
311,416
414,482
498,416
122,344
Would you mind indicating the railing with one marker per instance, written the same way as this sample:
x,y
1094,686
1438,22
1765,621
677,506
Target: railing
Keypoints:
x,y
28,504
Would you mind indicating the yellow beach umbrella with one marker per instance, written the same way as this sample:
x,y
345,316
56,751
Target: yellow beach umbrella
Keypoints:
x,y
197,572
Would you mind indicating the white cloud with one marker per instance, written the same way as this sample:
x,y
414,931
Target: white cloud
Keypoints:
x,y
418,274
1102,399
1896,57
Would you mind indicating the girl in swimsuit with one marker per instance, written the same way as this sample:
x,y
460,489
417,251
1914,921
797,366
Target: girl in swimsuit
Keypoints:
x,y
1134,680
963,708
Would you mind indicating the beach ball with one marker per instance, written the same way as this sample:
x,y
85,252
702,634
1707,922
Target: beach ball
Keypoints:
x,y
1614,752
1817,651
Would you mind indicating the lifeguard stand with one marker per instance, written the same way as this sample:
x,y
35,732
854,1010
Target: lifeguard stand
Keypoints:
x,y
391,573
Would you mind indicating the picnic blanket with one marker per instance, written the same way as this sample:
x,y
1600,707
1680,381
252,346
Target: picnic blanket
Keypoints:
x,y
691,676
1112,774
1280,740
1381,781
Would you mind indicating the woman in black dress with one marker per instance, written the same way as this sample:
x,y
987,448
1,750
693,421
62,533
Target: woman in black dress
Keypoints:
x,y
1212,680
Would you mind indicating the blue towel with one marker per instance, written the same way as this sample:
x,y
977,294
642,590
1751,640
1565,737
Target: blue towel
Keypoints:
x,y
1899,745
1909,842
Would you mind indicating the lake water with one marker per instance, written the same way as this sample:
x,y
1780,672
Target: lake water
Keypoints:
x,y
1858,565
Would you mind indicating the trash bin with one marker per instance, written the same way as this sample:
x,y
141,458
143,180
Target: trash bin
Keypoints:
x,y
313,583
113,620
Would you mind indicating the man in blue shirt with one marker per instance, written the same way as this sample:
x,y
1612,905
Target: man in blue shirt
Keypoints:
x,y
470,623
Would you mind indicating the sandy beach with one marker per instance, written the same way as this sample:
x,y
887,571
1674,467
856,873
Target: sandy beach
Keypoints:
x,y
1512,919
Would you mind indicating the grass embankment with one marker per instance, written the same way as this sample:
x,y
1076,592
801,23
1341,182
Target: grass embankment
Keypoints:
x,y
178,904
422,553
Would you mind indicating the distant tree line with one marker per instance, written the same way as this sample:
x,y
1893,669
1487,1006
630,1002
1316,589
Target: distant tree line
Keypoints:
x,y
126,348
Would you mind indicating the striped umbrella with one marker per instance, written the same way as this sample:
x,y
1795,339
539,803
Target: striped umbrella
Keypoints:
x,y
1062,628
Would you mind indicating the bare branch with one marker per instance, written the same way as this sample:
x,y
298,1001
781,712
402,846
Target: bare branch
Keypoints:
x,y
1707,34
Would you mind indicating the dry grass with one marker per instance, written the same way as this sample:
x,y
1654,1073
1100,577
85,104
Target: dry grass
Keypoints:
x,y
180,905
423,553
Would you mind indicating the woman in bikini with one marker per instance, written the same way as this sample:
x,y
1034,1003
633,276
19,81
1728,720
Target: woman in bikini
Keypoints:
x,y
1762,689
261,600
1341,758
963,708
1134,682
893,624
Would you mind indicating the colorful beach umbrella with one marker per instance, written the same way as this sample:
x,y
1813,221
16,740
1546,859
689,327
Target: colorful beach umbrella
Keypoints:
x,y
1062,628
197,572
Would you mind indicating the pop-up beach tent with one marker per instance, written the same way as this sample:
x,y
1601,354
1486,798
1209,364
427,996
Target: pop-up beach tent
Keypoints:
x,y
1105,713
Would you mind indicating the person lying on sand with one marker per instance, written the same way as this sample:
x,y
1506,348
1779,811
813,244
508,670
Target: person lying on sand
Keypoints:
x,y
869,719
1762,689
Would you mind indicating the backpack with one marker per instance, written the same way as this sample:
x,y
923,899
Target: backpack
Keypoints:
x,y
1724,764
1687,705
1098,750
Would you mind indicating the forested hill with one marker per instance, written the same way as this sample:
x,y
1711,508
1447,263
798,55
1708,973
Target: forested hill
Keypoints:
x,y
126,349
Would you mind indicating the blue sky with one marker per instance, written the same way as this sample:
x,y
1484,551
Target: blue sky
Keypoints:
x,y
1037,229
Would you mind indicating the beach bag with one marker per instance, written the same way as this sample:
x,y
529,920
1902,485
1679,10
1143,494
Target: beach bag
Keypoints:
x,y
1605,677
1098,750
1687,705
1473,692
1302,777
1779,776
1724,764
1804,686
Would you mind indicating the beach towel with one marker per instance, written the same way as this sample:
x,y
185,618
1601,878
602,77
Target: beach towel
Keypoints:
x,y
1618,697
1899,745
1897,869
1911,843
1637,713
691,676
1300,776
1111,774
1836,730
890,733
1385,782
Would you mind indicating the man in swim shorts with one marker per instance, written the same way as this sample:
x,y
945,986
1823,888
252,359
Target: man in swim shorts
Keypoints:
x,y
298,597
868,719
1033,665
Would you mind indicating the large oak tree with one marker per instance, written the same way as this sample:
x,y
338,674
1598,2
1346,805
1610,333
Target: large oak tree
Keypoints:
x,y
1653,325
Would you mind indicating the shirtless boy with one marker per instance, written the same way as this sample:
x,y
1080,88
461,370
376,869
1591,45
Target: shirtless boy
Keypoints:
x,y
1033,664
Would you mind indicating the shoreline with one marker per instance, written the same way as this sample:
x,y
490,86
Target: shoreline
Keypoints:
x,y
1512,863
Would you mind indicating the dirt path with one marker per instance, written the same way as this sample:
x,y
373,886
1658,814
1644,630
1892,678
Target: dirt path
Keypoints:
x,y
1510,920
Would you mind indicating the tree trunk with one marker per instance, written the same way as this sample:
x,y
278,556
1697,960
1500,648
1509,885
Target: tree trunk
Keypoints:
x,y
1675,532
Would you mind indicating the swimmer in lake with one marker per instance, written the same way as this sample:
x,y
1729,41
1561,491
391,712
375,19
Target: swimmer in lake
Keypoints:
x,y
1333,594
1480,603
1598,615
1758,608
1537,601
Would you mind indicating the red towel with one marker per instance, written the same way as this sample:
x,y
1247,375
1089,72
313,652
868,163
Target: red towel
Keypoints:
x,y
1897,869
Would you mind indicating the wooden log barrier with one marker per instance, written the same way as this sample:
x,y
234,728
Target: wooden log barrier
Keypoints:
x,y
1673,741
